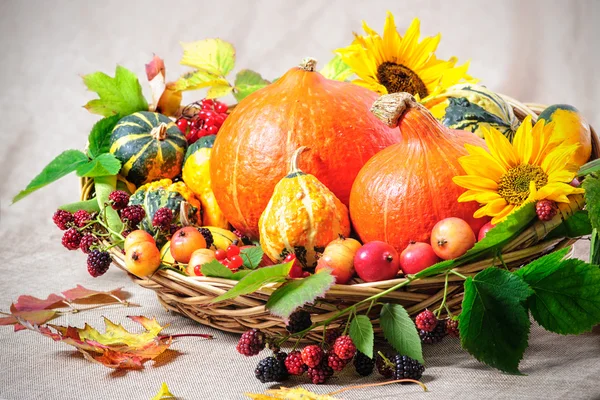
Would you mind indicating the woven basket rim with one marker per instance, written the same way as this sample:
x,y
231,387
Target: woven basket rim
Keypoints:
x,y
191,295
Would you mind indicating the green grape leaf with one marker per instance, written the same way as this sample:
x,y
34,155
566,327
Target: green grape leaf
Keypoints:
x,y
248,82
104,164
575,226
99,138
494,323
336,69
592,199
197,80
255,280
214,56
252,256
217,91
362,334
65,163
298,292
494,240
566,297
400,331
121,95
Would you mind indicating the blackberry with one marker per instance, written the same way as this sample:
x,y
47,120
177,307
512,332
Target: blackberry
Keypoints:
x,y
251,343
426,321
336,363
344,347
320,373
546,209
331,335
407,368
81,218
299,321
98,263
63,219
384,368
363,364
118,199
207,236
452,327
312,355
270,369
174,228
294,363
162,218
133,215
86,242
71,239
434,336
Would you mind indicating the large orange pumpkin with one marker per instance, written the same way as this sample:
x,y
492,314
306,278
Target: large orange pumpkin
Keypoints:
x,y
404,190
302,108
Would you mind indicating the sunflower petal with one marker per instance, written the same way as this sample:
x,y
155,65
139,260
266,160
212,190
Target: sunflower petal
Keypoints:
x,y
501,216
523,142
391,38
478,165
500,147
475,182
558,158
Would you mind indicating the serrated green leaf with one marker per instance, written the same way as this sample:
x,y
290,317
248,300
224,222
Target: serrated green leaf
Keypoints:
x,y
215,269
363,337
592,167
104,164
336,69
248,82
576,226
197,80
494,240
566,297
217,91
215,56
400,331
99,138
298,292
252,256
65,163
592,199
595,247
90,205
494,323
121,95
255,280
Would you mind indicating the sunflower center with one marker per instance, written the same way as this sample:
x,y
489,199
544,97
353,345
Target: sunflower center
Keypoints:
x,y
398,78
514,185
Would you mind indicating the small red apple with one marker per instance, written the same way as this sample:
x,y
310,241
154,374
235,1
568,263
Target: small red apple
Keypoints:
x,y
352,244
416,257
451,238
484,230
340,259
184,242
198,259
376,261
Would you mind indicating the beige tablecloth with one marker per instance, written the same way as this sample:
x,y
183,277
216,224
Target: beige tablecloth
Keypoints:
x,y
535,50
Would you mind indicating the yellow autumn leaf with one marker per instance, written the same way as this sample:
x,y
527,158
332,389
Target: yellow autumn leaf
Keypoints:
x,y
218,91
284,393
214,56
116,334
163,393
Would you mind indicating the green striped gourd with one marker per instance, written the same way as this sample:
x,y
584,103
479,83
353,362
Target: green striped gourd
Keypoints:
x,y
150,147
471,107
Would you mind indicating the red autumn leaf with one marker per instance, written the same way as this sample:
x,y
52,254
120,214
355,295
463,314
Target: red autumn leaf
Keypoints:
x,y
30,303
154,67
166,99
37,317
80,293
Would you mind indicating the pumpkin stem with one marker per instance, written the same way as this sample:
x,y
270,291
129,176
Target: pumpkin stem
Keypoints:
x,y
294,161
159,132
390,107
309,64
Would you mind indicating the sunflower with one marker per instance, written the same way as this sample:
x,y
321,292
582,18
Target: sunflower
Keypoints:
x,y
510,175
392,63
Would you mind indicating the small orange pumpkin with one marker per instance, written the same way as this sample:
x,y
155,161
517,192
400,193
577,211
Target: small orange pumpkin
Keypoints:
x,y
302,217
405,189
262,132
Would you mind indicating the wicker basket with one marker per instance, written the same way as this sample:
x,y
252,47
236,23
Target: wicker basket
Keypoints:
x,y
190,296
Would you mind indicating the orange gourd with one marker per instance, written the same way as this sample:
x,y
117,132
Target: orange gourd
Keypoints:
x,y
302,217
258,138
404,190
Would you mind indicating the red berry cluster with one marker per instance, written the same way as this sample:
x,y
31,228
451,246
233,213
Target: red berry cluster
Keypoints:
x,y
206,121
546,209
230,258
433,330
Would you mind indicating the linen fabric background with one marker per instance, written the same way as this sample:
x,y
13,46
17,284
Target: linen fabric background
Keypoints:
x,y
542,51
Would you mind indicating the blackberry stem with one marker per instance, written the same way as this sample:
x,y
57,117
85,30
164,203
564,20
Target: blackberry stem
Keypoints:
x,y
378,384
458,274
443,304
